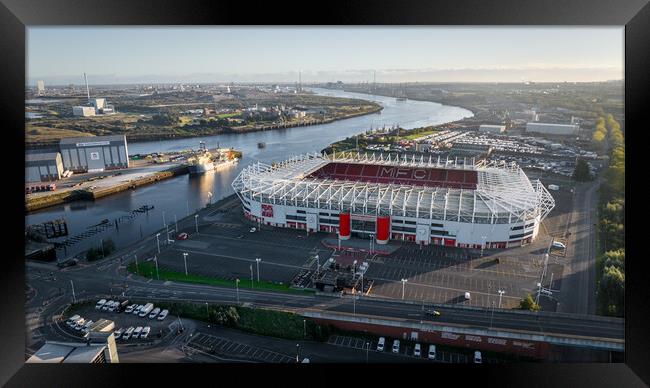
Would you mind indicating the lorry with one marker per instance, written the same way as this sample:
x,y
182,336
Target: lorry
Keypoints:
x,y
146,309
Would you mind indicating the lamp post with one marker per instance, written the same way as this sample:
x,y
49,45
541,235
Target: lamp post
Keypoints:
x,y
164,223
317,264
257,260
492,316
251,267
176,222
237,287
297,352
209,198
403,286
196,222
137,271
158,242
185,260
304,328
501,292
156,260
74,298
207,312
367,350
483,244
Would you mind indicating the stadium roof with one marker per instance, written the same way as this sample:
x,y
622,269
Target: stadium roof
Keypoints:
x,y
501,193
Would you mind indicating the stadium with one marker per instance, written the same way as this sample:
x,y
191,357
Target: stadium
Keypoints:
x,y
459,203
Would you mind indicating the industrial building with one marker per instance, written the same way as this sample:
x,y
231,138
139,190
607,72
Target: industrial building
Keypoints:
x,y
99,348
419,199
553,129
82,110
40,87
492,128
43,167
94,154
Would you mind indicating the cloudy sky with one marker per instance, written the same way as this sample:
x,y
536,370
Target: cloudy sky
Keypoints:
x,y
60,55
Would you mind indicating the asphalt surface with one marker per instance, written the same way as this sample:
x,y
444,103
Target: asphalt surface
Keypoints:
x,y
49,294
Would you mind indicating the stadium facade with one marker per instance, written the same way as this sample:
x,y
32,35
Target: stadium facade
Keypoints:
x,y
459,203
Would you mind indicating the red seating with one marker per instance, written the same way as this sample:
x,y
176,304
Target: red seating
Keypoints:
x,y
431,177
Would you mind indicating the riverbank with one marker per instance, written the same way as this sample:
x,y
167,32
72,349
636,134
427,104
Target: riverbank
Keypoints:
x,y
39,201
147,137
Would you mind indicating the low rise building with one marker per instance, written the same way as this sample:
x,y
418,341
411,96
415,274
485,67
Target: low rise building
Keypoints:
x,y
492,128
553,129
43,167
84,111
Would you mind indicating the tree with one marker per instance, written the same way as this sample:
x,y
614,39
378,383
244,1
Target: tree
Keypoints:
x,y
528,303
612,289
581,172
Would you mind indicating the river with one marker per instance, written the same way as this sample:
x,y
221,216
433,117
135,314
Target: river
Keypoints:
x,y
182,195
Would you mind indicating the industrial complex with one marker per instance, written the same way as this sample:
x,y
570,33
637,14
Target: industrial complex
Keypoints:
x,y
457,203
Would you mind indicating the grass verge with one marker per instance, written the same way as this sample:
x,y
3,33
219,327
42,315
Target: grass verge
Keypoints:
x,y
148,270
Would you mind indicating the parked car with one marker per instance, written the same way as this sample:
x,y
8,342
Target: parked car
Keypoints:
x,y
380,344
73,318
253,230
107,305
86,327
101,303
145,332
182,236
137,331
416,350
396,346
67,263
432,352
127,334
80,324
477,357
129,309
137,309
163,315
154,313
118,333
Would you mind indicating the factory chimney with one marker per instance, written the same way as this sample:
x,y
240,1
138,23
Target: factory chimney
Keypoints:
x,y
87,90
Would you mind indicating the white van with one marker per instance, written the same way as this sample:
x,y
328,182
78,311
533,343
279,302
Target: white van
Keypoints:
x,y
137,331
129,309
468,296
380,344
432,352
477,357
145,332
101,303
557,244
416,350
396,346
163,315
107,305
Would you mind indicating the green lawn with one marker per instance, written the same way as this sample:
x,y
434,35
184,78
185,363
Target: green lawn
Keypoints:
x,y
417,135
148,270
226,115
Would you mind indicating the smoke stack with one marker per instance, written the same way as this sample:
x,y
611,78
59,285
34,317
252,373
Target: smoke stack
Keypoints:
x,y
87,90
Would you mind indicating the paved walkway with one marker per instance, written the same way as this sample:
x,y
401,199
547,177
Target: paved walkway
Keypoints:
x,y
361,245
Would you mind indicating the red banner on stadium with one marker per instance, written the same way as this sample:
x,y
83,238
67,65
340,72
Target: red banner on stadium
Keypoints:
x,y
267,210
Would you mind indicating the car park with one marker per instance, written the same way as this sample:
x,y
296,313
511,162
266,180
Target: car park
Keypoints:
x,y
101,303
416,350
432,352
380,344
137,331
163,315
145,332
396,346
477,357
154,313
127,334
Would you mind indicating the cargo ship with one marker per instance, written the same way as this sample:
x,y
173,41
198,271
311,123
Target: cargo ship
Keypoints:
x,y
201,161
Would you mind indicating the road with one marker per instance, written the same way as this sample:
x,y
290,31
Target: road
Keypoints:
x,y
110,279
579,284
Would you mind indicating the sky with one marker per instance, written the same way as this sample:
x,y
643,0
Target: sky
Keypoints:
x,y
60,55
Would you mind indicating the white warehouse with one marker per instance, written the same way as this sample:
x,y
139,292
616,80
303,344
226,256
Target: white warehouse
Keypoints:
x,y
553,129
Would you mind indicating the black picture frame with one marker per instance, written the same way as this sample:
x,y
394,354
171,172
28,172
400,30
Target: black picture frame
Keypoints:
x,y
15,15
